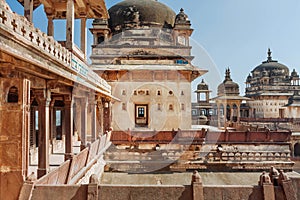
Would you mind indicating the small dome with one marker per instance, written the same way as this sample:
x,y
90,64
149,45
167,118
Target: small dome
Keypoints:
x,y
182,18
294,73
249,78
202,86
272,67
145,12
228,87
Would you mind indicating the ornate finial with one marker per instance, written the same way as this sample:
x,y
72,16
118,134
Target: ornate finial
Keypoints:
x,y
181,10
202,81
227,75
269,54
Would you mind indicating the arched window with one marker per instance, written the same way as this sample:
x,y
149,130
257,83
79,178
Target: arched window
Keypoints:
x,y
13,96
297,150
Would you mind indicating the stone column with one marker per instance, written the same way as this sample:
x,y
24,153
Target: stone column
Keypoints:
x,y
267,186
218,114
83,35
287,186
238,113
83,111
52,123
225,114
99,118
207,96
106,36
28,9
106,116
77,117
70,25
93,188
231,113
95,38
43,97
93,105
63,126
68,127
50,27
197,186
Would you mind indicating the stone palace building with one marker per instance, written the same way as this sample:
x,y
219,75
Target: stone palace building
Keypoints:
x,y
120,127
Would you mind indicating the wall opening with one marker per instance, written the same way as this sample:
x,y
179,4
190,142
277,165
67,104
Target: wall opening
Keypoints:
x,y
13,95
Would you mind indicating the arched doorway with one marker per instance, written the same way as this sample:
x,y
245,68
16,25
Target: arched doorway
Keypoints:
x,y
228,112
297,150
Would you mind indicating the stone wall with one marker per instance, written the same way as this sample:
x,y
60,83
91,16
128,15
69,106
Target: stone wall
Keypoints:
x,y
153,192
121,192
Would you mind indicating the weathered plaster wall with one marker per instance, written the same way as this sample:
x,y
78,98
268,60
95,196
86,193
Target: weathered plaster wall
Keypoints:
x,y
159,118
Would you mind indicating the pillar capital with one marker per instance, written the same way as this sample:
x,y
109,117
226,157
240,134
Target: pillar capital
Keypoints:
x,y
68,100
43,96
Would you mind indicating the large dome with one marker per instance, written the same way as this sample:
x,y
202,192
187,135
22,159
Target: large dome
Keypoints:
x,y
272,67
145,12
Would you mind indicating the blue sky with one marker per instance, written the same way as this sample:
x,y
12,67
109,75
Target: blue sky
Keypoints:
x,y
227,33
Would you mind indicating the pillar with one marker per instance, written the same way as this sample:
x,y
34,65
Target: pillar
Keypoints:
x,y
43,97
197,186
77,117
268,191
93,105
106,36
218,113
70,25
83,112
239,113
68,126
231,113
28,9
207,96
92,191
50,27
52,123
99,118
225,114
95,36
106,116
83,35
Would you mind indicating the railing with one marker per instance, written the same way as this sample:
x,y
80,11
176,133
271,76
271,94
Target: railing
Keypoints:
x,y
273,120
248,156
27,34
199,136
72,170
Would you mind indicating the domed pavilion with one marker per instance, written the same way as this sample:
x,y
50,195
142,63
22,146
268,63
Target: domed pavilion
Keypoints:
x,y
228,101
270,86
144,52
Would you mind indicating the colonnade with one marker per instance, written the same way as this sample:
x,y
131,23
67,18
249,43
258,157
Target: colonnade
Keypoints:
x,y
87,115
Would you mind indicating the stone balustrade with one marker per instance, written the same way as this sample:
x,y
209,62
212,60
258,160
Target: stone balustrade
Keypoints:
x,y
20,29
127,155
247,156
